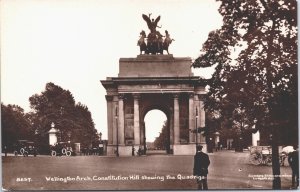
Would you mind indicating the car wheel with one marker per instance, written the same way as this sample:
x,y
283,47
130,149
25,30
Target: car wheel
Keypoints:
x,y
64,151
22,150
68,153
25,154
255,159
53,153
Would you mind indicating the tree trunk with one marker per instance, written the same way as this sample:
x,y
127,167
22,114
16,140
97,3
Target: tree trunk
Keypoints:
x,y
275,159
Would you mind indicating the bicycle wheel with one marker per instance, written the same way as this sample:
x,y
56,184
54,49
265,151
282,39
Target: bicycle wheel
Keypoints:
x,y
255,159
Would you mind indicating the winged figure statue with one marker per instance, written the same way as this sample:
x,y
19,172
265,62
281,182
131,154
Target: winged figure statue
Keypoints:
x,y
152,24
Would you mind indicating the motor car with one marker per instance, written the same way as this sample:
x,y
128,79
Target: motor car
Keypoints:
x,y
25,148
62,148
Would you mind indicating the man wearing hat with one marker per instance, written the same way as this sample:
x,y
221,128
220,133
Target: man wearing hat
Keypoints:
x,y
201,163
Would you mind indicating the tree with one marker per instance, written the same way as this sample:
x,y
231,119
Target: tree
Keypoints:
x,y
15,126
162,140
259,87
84,131
57,105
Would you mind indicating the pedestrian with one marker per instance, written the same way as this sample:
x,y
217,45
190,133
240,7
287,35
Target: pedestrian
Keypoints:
x,y
5,150
294,163
201,163
133,149
139,152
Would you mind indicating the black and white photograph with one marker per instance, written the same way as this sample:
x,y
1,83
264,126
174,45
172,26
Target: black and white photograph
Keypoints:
x,y
146,95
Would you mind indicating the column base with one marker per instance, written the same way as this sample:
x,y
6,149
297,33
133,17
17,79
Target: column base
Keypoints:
x,y
123,150
111,150
189,149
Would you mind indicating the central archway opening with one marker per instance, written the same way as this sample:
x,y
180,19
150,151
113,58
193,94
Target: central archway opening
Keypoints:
x,y
156,132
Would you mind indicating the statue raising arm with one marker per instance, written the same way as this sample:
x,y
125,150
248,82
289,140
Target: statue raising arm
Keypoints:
x,y
152,24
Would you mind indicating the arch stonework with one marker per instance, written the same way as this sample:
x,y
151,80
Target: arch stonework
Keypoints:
x,y
154,82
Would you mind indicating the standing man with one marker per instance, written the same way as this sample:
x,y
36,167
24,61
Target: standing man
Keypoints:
x,y
293,160
201,163
132,150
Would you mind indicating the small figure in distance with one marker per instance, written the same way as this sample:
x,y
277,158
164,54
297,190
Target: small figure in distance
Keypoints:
x,y
133,150
139,152
201,163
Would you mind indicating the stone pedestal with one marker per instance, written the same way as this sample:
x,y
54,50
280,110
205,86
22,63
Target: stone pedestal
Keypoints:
x,y
155,66
255,138
52,136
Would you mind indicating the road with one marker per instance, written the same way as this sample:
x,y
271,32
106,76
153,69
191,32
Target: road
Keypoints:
x,y
228,170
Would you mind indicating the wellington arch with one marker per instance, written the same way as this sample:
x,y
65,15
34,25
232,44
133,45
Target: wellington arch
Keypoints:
x,y
149,82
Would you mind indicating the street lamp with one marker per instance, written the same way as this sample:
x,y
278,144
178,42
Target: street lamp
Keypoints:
x,y
100,136
117,152
196,128
69,136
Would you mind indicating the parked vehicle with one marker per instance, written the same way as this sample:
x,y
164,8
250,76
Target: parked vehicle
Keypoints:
x,y
262,155
25,148
62,148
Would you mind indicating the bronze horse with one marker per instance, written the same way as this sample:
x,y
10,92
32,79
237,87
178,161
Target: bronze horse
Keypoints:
x,y
141,43
155,43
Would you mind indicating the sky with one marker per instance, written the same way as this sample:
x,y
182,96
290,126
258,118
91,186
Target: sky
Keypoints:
x,y
77,43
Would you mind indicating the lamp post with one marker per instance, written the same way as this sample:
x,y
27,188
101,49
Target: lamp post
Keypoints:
x,y
69,136
117,152
196,128
100,137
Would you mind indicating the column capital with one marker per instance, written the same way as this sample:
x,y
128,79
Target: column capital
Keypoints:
x,y
136,96
191,95
175,95
121,96
108,97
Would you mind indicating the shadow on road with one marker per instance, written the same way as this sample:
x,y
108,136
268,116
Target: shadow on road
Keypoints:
x,y
156,152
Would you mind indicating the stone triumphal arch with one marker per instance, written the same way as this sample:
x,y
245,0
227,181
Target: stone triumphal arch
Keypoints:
x,y
149,82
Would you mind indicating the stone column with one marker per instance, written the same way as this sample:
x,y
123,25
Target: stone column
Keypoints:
x,y
142,134
191,118
110,118
115,120
176,120
197,117
121,120
171,127
136,119
201,117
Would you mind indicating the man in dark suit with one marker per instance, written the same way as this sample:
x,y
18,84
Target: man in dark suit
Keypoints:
x,y
201,163
294,163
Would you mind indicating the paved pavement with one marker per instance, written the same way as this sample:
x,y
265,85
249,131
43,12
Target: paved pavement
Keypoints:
x,y
228,170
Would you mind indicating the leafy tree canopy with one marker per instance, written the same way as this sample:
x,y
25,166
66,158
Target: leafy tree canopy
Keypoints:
x,y
14,124
251,88
57,105
259,86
